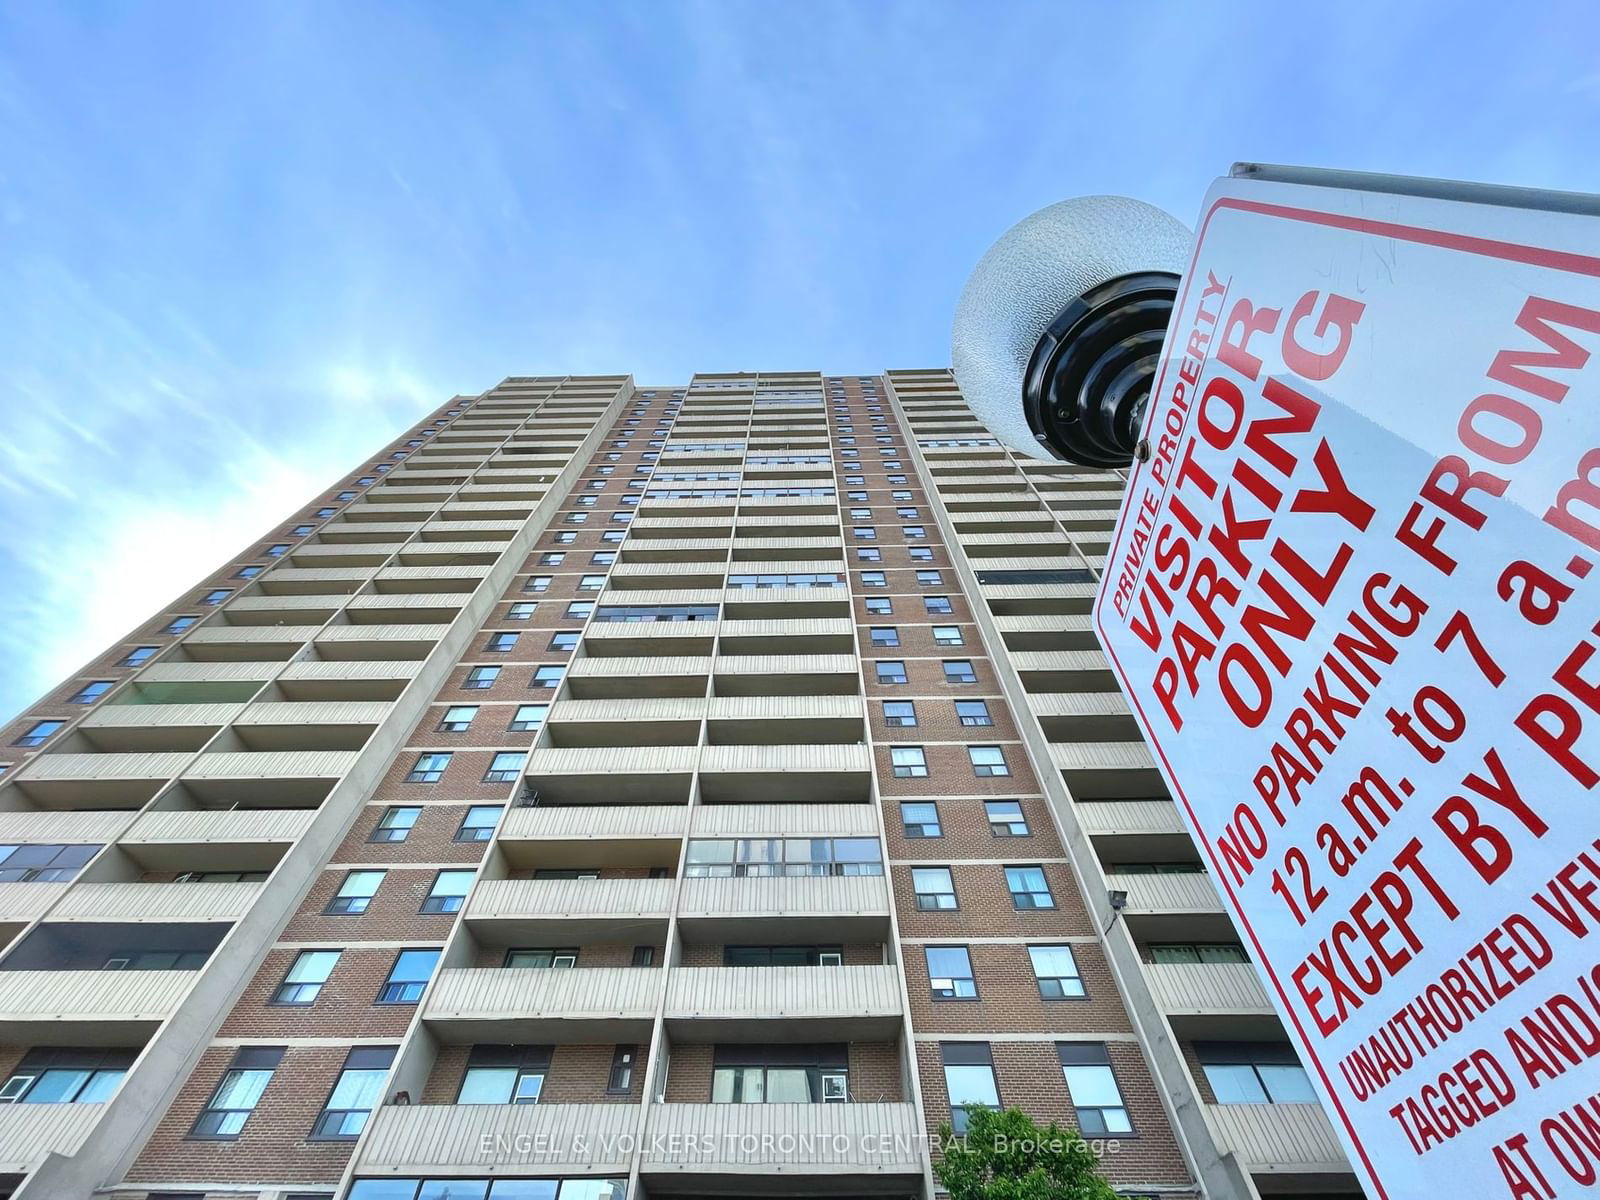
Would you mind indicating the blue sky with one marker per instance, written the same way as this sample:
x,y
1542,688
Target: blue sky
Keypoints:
x,y
242,244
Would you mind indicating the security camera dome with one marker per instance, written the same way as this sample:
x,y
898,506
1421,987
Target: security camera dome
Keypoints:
x,y
1058,331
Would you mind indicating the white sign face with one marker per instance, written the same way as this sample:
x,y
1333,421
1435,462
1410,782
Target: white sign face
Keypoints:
x,y
1353,601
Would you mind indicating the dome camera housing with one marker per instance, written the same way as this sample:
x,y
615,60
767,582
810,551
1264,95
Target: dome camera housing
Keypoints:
x,y
1058,331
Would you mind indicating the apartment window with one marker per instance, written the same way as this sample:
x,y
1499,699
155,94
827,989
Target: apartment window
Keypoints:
x,y
429,767
235,1099
457,718
745,858
643,956
1254,1073
885,635
39,733
854,495
366,481
874,579
448,892
552,558
478,825
504,1075
973,712
930,578
58,1075
959,670
782,956
542,959
538,583
505,767
395,825
567,537
865,533
355,893
1006,819
890,670
906,514
248,572
620,1079
180,624
345,496
563,641
612,535
279,549
603,558
934,887
529,716
410,974
306,975
937,604
913,531
911,512
579,610
576,518
1029,888
523,610
1197,952
1057,972
35,863
502,643
546,677
138,656
879,606
968,1079
90,692
988,762
357,1090
900,714
910,762
588,501
301,530
920,819
481,677
1093,1089
591,583
947,635
790,1073
861,514
869,554
950,973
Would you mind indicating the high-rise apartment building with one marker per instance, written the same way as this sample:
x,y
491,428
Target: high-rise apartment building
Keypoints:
x,y
608,792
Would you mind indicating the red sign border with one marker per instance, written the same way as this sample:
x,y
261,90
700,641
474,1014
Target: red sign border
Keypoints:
x,y
1557,260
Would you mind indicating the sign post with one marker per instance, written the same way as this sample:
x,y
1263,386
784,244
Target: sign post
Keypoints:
x,y
1353,601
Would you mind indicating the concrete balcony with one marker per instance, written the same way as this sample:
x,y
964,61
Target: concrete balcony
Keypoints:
x,y
145,728
311,724
1131,830
798,635
433,578
42,826
97,780
645,638
155,902
226,840
756,550
533,1004
616,678
246,643
450,1139
206,673
1081,716
788,675
1279,1139
267,777
21,903
1048,631
449,554
673,550
343,553
88,1008
634,576
1174,907
284,580
1064,671
745,1004
619,836
1214,1001
611,774
555,912
742,603
1108,770
663,721
30,1132
785,820
366,641
790,774
771,720
438,608
857,1147
348,680
844,908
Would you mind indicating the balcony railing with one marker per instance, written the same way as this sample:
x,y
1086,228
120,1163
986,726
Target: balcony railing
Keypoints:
x,y
849,907
155,902
798,1139
28,1132
823,1003
1193,893
542,1139
527,1004
33,1004
1279,1137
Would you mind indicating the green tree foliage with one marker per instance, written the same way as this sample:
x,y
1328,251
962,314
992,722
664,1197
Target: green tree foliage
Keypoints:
x,y
1006,1156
